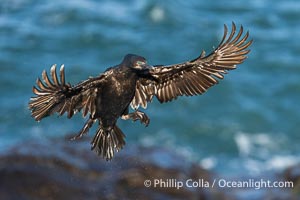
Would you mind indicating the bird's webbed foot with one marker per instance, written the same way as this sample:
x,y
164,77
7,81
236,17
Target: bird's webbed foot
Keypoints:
x,y
84,129
137,115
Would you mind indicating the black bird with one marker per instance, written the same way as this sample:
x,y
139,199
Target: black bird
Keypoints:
x,y
134,83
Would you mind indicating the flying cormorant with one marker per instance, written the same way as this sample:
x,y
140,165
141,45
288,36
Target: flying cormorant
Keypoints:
x,y
133,83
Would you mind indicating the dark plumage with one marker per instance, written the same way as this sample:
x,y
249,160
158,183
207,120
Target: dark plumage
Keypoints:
x,y
133,82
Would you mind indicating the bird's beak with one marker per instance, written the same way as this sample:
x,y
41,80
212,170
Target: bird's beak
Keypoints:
x,y
146,66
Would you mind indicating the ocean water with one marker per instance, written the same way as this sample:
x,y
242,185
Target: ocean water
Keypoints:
x,y
249,122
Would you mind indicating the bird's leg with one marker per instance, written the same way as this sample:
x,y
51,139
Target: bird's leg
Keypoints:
x,y
84,129
137,115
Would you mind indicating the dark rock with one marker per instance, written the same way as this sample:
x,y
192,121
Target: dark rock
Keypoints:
x,y
64,169
60,169
293,174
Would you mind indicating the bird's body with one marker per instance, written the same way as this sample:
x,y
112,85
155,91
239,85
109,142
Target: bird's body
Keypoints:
x,y
134,83
117,91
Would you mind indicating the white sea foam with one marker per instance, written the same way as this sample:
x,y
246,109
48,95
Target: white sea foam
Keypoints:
x,y
243,143
208,162
261,152
258,145
157,14
280,162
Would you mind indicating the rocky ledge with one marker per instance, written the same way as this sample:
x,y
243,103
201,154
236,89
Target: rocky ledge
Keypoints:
x,y
63,169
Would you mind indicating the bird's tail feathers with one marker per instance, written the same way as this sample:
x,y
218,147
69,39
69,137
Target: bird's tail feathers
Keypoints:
x,y
107,141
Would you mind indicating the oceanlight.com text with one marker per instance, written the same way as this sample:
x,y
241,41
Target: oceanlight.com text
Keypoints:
x,y
221,183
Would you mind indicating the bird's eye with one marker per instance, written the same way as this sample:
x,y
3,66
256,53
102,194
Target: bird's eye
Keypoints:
x,y
140,62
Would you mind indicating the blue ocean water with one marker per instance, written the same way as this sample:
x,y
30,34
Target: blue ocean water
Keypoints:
x,y
250,121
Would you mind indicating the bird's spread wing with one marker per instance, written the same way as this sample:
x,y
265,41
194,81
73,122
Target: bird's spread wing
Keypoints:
x,y
196,76
58,96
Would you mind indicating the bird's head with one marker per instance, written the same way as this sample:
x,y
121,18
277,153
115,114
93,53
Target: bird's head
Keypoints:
x,y
135,62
